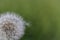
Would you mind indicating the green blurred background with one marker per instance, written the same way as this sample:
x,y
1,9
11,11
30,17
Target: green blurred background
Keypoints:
x,y
44,16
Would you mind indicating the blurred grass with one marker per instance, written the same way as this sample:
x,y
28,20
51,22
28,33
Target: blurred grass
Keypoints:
x,y
44,15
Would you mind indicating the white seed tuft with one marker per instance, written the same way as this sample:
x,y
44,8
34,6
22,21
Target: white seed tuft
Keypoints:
x,y
11,26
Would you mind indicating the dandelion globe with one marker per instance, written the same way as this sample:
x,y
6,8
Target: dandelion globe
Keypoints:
x,y
12,26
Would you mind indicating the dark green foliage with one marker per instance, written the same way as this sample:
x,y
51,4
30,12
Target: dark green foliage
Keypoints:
x,y
44,16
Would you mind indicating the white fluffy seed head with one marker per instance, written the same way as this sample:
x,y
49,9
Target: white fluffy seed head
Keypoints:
x,y
11,26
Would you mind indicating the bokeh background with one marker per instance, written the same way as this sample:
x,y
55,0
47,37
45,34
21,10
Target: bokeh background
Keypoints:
x,y
44,16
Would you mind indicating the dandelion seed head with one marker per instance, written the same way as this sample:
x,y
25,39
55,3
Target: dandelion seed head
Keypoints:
x,y
12,26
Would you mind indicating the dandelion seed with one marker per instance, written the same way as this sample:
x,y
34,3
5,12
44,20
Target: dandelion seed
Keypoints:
x,y
11,26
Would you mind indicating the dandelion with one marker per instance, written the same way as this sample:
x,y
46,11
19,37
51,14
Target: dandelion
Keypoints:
x,y
11,26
